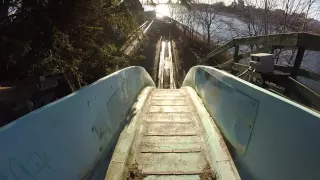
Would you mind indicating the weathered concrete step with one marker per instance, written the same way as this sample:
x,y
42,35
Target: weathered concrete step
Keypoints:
x,y
168,94
172,177
168,98
169,91
169,117
171,129
172,163
171,144
166,84
169,109
171,102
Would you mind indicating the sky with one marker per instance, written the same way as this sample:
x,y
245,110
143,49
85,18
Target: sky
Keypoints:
x,y
314,12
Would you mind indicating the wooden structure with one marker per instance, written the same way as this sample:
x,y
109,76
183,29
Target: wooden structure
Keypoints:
x,y
283,76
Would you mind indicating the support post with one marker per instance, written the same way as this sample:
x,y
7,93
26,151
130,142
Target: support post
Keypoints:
x,y
297,62
273,48
236,54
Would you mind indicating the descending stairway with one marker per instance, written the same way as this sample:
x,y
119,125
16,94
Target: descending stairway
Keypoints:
x,y
171,144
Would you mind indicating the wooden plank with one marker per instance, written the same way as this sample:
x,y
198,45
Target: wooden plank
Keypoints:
x,y
301,72
290,39
303,93
172,177
172,163
285,69
226,65
169,109
306,40
236,53
171,129
297,62
309,75
169,117
240,67
162,144
170,102
218,50
309,41
302,41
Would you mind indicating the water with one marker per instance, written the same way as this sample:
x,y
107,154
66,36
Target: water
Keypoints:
x,y
225,28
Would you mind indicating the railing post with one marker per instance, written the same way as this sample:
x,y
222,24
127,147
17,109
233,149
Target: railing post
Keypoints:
x,y
297,62
273,49
236,54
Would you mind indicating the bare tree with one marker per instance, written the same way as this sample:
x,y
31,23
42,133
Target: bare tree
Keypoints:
x,y
264,17
173,10
182,18
187,17
309,5
191,21
256,15
206,16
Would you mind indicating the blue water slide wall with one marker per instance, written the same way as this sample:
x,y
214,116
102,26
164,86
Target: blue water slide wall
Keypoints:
x,y
272,137
67,138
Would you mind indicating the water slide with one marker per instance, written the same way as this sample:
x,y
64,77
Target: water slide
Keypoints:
x,y
216,126
125,126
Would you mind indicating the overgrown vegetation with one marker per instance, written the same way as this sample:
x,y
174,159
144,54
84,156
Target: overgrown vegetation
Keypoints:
x,y
78,39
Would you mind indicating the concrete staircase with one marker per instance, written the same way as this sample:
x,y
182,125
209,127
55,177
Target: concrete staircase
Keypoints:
x,y
171,144
172,137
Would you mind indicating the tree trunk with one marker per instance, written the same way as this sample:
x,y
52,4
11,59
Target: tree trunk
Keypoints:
x,y
306,16
4,8
208,31
266,17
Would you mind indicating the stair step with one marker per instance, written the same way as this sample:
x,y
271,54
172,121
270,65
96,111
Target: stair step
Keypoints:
x,y
171,144
169,117
171,102
172,177
169,109
171,129
172,163
168,94
168,98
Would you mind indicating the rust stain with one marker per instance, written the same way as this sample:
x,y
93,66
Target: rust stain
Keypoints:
x,y
135,173
207,174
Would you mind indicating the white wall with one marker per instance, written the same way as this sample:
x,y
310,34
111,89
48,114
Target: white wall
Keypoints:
x,y
273,138
67,138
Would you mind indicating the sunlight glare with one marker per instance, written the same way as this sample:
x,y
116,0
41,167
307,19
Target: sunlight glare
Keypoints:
x,y
162,10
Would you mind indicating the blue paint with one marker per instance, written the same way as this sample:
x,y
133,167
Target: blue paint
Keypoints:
x,y
67,138
274,138
282,141
241,113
